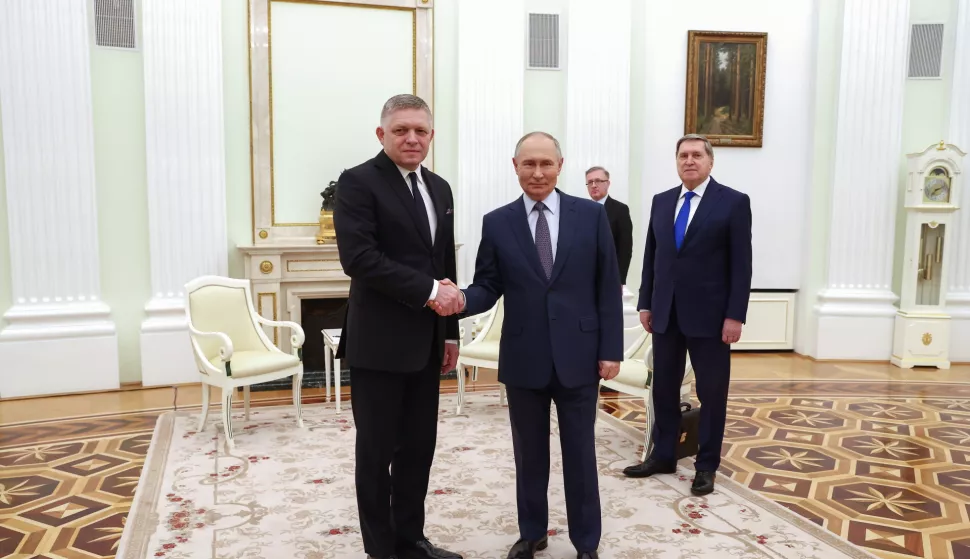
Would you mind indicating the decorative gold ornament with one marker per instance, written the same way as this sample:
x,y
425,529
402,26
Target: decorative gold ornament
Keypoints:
x,y
266,267
327,233
941,147
263,234
927,338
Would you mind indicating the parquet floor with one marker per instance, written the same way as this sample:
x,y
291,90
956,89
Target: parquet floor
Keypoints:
x,y
883,459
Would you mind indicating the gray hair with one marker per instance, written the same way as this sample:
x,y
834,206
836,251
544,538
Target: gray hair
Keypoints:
x,y
598,168
404,101
537,133
699,138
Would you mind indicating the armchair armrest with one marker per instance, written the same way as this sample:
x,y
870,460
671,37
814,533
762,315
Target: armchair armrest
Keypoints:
x,y
298,336
225,352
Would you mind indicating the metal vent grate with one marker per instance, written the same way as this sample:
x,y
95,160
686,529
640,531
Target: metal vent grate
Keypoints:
x,y
114,23
544,41
926,50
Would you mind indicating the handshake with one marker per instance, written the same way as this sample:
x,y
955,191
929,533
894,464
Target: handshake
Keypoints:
x,y
449,299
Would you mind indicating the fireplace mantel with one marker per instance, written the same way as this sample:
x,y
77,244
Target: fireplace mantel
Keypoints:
x,y
284,274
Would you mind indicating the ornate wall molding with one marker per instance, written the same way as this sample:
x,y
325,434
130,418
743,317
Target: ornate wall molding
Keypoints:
x,y
490,115
45,101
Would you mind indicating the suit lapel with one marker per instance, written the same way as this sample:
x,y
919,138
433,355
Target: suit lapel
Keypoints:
x,y
400,188
519,224
567,229
437,200
707,203
665,221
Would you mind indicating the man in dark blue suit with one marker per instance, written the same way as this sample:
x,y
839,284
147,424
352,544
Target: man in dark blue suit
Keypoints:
x,y
694,298
552,257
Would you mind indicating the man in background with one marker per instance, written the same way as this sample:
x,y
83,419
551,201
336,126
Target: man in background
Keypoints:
x,y
551,256
394,221
694,297
618,214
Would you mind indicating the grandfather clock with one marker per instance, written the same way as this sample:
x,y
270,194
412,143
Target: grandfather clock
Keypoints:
x,y
933,190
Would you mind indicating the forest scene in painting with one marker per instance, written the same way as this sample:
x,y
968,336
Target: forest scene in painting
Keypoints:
x,y
726,88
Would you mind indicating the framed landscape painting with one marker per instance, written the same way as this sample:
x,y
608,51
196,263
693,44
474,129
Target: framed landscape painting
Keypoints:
x,y
726,87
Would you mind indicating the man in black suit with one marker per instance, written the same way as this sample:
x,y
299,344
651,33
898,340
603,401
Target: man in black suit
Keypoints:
x,y
394,221
618,214
694,298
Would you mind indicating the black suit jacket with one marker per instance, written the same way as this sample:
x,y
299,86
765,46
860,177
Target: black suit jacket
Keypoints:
x,y
392,267
621,225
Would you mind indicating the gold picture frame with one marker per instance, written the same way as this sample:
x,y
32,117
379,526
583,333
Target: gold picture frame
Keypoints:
x,y
726,87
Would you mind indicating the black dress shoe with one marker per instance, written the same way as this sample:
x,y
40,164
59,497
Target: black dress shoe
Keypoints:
x,y
588,555
382,557
423,549
703,483
526,549
650,467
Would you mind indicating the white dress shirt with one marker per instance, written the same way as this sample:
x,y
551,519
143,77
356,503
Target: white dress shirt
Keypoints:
x,y
425,195
552,218
694,202
602,200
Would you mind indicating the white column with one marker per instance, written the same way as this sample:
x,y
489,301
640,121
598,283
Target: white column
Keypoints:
x,y
958,296
490,99
60,336
185,159
856,311
598,95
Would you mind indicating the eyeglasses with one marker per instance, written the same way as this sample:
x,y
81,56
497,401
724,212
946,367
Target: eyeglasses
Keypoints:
x,y
597,182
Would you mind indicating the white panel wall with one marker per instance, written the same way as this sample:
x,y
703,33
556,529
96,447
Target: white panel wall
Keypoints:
x,y
776,176
490,98
598,96
60,337
958,297
185,159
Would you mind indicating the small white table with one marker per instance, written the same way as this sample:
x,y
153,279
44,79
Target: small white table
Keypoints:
x,y
331,339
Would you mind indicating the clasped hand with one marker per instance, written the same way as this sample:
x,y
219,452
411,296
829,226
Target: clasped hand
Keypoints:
x,y
448,300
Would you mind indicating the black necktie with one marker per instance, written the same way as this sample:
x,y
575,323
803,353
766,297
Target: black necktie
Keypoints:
x,y
425,225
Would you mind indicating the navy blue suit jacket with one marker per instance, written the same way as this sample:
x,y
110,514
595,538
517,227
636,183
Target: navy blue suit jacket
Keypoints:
x,y
564,325
709,278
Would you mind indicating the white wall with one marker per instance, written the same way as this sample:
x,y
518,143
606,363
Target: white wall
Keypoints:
x,y
776,176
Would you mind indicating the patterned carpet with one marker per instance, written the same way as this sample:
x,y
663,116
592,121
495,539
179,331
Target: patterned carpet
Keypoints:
x,y
885,465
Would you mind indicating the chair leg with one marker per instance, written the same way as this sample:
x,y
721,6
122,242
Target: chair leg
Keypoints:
x,y
227,416
474,374
246,401
297,399
648,436
205,407
501,394
461,388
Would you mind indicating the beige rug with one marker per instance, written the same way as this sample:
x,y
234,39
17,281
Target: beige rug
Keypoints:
x,y
289,493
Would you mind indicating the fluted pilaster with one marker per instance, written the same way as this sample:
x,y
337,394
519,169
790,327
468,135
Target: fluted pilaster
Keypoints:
x,y
856,308
45,99
598,95
185,160
958,296
490,121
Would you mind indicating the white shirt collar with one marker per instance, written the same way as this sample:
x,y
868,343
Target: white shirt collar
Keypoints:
x,y
404,173
603,200
699,191
551,202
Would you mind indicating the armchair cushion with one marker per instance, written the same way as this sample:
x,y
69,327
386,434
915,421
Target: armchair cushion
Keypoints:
x,y
634,373
252,363
481,350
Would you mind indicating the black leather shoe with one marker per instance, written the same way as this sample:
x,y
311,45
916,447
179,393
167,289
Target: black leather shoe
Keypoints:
x,y
650,467
387,557
588,555
703,483
526,549
423,549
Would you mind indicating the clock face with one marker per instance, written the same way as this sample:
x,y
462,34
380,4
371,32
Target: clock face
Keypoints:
x,y
936,188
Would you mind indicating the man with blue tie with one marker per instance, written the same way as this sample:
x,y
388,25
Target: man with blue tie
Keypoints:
x,y
552,257
694,294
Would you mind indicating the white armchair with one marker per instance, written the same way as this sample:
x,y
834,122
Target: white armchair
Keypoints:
x,y
636,378
482,350
230,347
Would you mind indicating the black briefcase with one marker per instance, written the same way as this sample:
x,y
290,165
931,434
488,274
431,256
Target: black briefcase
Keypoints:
x,y
690,418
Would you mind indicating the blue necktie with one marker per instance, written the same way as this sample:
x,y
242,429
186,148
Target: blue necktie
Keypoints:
x,y
680,226
543,240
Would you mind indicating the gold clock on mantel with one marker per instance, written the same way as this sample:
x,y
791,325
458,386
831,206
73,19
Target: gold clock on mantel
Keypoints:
x,y
922,328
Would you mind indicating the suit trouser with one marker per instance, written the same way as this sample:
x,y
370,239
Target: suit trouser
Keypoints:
x,y
529,414
396,415
711,359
